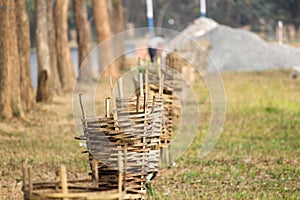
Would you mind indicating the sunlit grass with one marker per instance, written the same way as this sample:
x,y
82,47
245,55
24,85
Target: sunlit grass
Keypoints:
x,y
258,153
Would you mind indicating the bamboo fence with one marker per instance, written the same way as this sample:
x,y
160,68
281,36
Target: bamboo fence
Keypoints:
x,y
124,146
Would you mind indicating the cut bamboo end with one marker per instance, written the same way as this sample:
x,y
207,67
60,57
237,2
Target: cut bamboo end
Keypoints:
x,y
108,107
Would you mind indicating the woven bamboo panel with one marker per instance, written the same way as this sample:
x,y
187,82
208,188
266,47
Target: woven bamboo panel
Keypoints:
x,y
134,136
167,97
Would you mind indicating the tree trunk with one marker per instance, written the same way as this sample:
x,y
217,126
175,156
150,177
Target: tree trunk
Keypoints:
x,y
44,93
162,14
10,95
55,80
104,32
117,15
26,89
65,67
84,40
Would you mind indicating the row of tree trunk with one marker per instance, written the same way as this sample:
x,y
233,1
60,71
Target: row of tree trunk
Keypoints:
x,y
15,83
55,71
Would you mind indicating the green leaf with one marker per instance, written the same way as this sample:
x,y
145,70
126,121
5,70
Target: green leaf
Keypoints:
x,y
151,190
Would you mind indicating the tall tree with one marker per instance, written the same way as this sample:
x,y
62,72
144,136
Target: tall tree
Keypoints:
x,y
10,95
23,34
117,16
84,39
44,92
65,67
55,80
104,32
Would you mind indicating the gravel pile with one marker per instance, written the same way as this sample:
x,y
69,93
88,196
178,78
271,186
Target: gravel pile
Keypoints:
x,y
240,50
200,27
234,49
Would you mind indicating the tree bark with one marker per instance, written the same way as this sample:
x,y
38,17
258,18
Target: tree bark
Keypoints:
x,y
55,80
104,32
26,89
84,40
10,95
65,67
117,15
162,14
44,93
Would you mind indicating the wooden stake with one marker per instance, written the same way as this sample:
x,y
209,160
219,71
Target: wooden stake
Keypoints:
x,y
115,113
108,107
146,80
161,81
153,104
141,84
111,86
120,174
63,179
81,105
167,156
23,175
137,103
57,178
96,173
120,85
30,182
125,166
159,70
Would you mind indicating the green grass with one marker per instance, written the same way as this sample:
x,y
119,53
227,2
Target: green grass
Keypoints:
x,y
256,157
258,153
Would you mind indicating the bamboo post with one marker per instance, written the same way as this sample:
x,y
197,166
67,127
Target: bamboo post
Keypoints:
x,y
113,103
23,176
57,178
107,107
83,114
138,103
30,182
120,86
115,114
153,104
81,106
120,174
167,155
159,70
160,155
1,188
145,131
161,81
146,79
141,84
63,179
125,166
96,173
111,86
